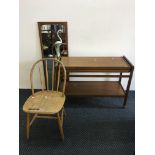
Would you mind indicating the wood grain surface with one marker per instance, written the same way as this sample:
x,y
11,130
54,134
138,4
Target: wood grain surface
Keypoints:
x,y
95,63
94,88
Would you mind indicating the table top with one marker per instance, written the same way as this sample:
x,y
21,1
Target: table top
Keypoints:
x,y
96,63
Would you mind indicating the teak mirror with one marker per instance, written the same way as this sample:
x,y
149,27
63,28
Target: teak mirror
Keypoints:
x,y
53,38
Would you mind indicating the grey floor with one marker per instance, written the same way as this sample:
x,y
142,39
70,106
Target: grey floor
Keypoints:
x,y
93,125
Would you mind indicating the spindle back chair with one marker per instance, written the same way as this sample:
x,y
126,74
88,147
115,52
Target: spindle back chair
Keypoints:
x,y
47,103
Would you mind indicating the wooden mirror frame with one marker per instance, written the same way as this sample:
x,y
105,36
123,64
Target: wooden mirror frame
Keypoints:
x,y
40,36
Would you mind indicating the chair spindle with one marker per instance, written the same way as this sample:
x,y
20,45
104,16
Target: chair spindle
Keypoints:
x,y
58,80
53,75
47,76
41,79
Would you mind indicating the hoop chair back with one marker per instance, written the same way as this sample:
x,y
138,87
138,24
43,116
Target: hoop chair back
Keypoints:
x,y
51,71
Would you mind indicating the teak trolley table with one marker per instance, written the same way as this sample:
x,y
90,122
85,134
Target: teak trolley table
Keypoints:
x,y
113,65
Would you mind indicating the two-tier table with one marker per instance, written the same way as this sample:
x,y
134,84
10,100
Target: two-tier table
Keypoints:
x,y
112,67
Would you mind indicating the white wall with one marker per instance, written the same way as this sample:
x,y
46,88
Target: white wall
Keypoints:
x,y
95,28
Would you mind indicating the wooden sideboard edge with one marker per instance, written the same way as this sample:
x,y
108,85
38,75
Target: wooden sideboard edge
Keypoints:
x,y
127,60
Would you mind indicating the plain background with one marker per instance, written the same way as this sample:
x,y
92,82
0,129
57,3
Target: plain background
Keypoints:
x,y
95,28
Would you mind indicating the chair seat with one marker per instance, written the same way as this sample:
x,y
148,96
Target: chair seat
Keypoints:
x,y
44,102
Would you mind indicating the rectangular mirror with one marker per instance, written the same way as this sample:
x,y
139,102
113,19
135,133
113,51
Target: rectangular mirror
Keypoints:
x,y
53,39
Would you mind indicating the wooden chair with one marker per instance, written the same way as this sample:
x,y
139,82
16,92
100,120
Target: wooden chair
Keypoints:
x,y
47,103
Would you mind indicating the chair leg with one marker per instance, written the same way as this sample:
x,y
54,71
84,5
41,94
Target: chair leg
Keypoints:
x,y
62,116
60,126
27,125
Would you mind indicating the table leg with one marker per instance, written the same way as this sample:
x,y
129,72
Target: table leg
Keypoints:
x,y
120,78
67,76
128,88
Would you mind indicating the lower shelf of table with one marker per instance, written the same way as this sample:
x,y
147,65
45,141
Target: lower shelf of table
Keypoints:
x,y
94,88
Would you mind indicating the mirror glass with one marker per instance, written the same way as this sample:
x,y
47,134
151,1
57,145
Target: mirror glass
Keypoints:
x,y
53,39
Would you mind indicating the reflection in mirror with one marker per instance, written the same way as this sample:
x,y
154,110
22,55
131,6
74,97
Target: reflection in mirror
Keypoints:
x,y
53,39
